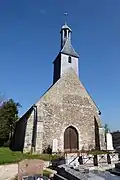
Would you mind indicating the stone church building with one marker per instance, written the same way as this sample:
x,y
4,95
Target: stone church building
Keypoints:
x,y
65,117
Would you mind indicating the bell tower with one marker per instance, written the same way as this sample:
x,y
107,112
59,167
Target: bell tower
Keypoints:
x,y
65,34
67,57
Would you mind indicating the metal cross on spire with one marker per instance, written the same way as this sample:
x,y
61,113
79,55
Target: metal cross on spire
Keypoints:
x,y
65,14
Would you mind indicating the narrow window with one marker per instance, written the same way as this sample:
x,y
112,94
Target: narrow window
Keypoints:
x,y
65,33
69,59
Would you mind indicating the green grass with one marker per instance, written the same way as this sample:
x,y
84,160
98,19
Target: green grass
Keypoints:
x,y
97,152
46,173
8,157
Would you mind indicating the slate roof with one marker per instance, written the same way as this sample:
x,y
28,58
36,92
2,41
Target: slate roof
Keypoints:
x,y
66,27
68,49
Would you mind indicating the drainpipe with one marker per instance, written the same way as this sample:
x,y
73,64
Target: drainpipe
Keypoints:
x,y
33,149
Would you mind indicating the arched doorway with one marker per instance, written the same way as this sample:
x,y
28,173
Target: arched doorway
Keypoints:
x,y
70,139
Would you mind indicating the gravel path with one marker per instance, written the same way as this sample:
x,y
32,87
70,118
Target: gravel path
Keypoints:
x,y
8,172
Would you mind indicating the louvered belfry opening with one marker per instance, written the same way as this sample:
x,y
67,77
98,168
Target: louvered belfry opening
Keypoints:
x,y
70,139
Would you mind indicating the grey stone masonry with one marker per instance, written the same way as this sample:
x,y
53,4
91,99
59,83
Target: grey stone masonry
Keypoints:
x,y
66,103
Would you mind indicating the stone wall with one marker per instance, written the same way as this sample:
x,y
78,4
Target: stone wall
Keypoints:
x,y
29,133
89,159
102,138
17,141
65,64
20,136
65,104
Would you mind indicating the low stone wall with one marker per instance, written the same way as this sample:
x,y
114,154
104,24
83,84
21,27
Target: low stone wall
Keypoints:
x,y
92,160
89,159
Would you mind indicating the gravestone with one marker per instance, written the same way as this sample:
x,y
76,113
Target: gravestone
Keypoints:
x,y
109,142
102,138
30,168
55,146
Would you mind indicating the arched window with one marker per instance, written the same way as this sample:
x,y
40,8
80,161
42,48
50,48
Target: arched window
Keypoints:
x,y
69,59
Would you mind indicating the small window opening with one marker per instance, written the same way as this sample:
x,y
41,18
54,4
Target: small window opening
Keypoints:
x,y
69,59
65,33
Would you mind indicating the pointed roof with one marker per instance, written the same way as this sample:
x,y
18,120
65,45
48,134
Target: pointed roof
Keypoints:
x,y
65,26
68,49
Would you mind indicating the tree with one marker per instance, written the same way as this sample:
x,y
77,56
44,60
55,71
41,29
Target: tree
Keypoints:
x,y
8,118
106,128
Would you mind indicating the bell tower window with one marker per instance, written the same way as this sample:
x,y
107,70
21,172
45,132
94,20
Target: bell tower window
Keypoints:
x,y
69,59
65,32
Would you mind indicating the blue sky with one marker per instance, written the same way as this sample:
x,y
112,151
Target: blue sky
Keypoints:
x,y
30,41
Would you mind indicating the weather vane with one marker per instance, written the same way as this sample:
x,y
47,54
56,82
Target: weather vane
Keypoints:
x,y
65,14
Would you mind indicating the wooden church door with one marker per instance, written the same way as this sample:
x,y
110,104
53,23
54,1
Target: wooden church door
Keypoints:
x,y
70,139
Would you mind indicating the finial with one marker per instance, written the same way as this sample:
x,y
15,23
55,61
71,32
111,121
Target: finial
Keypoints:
x,y
65,14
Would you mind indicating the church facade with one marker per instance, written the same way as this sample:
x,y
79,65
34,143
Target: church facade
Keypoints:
x,y
66,117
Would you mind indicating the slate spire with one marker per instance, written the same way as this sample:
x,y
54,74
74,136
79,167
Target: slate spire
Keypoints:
x,y
66,46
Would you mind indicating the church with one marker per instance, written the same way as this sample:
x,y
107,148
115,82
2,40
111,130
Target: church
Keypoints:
x,y
65,118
